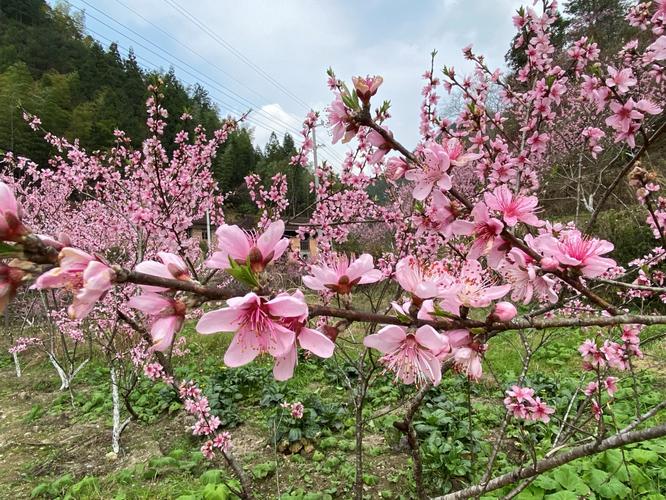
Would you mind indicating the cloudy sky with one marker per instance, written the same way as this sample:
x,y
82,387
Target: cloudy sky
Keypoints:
x,y
272,56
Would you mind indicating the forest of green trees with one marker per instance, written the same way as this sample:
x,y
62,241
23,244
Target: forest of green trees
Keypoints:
x,y
80,89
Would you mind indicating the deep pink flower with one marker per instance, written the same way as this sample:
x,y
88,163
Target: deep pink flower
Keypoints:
x,y
412,357
624,115
257,323
382,146
82,274
168,315
541,411
486,230
503,311
10,279
513,208
171,267
611,385
241,246
342,275
340,121
432,172
591,388
577,251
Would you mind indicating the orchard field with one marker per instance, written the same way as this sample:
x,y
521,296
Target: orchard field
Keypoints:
x,y
52,447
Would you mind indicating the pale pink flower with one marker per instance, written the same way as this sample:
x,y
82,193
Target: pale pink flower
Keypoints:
x,y
311,340
457,154
171,267
611,385
467,360
514,208
526,279
412,357
621,80
342,275
82,274
424,281
503,311
432,172
366,87
167,314
243,247
396,168
11,227
257,324
471,289
658,48
574,250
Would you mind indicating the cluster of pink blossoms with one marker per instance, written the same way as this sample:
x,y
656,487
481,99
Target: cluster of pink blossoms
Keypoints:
x,y
522,404
206,425
296,409
261,325
610,353
24,343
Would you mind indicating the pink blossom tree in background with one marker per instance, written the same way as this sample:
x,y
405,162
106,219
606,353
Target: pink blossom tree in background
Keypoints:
x,y
468,258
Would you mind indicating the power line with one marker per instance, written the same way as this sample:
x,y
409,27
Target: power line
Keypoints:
x,y
221,88
228,46
331,153
254,120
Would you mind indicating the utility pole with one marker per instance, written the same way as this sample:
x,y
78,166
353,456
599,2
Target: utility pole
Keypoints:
x,y
208,238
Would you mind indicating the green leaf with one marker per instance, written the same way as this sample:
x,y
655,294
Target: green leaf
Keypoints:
x,y
242,273
570,480
562,495
614,489
644,456
546,483
595,478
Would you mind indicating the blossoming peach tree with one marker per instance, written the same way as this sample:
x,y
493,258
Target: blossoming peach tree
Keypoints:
x,y
471,256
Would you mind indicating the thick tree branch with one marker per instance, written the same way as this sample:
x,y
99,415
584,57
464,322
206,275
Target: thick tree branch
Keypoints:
x,y
545,465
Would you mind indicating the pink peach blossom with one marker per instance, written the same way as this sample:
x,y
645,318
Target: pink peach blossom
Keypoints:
x,y
168,315
342,275
574,250
257,323
412,357
171,267
514,208
433,171
423,281
241,246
